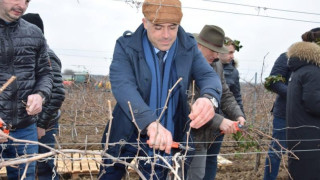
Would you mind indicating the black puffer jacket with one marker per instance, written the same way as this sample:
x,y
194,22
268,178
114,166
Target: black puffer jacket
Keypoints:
x,y
303,103
49,115
23,53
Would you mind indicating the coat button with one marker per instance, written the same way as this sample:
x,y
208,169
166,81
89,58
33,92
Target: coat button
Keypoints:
x,y
136,111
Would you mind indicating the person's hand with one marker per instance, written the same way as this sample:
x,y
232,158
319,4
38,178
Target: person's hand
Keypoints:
x,y
159,137
41,132
34,104
2,139
202,111
227,126
241,120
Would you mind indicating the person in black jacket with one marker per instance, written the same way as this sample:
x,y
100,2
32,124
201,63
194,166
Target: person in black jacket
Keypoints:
x,y
23,54
277,82
303,106
51,110
230,71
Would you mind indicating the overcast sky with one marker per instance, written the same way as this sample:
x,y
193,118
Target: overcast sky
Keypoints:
x,y
83,32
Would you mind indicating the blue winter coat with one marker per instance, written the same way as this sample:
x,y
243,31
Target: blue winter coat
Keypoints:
x,y
130,78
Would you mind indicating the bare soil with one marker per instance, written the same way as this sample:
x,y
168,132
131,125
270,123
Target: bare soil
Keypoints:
x,y
246,165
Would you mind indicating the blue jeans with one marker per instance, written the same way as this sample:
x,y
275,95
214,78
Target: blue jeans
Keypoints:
x,y
12,150
46,169
212,162
274,158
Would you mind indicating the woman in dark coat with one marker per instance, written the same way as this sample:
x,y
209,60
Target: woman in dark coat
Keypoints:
x,y
277,82
303,107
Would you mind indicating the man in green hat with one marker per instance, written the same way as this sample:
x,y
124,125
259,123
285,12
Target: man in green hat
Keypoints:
x,y
204,164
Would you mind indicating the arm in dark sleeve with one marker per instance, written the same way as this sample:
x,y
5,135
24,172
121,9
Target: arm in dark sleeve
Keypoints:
x,y
280,67
125,89
215,122
311,92
208,132
43,72
50,109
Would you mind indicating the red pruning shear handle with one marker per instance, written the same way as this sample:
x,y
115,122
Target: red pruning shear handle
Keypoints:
x,y
4,127
177,145
238,127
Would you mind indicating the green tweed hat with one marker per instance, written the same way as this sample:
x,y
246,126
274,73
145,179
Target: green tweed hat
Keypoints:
x,y
212,37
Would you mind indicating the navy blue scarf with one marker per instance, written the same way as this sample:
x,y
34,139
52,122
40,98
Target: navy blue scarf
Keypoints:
x,y
159,94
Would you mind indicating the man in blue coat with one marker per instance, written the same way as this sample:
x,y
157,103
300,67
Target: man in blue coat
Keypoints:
x,y
146,64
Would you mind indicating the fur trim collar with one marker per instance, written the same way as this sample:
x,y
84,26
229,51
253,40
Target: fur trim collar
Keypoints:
x,y
305,51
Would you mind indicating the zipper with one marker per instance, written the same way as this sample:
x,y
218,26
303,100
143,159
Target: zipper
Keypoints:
x,y
3,52
14,85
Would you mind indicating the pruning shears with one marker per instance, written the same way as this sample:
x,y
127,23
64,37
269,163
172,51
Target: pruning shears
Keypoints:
x,y
177,145
4,127
238,127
